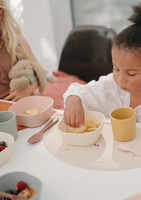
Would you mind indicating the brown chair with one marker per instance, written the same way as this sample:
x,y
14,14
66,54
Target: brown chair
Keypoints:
x,y
87,52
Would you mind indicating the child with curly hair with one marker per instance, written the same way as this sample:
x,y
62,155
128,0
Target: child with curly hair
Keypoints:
x,y
122,88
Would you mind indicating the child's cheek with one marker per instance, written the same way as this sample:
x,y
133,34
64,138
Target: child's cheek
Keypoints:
x,y
114,76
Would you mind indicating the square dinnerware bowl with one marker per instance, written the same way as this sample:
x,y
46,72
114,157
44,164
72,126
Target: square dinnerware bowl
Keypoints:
x,y
82,139
43,104
6,154
9,182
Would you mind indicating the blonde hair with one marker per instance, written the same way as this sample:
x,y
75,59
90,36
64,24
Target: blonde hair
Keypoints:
x,y
9,30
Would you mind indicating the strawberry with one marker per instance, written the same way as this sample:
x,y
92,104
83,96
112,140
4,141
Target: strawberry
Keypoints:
x,y
21,185
2,147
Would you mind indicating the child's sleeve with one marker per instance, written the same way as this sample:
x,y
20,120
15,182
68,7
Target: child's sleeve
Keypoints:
x,y
91,94
88,93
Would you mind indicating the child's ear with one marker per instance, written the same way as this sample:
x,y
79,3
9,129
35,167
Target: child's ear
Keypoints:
x,y
1,13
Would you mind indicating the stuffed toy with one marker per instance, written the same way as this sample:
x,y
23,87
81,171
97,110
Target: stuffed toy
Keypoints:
x,y
25,72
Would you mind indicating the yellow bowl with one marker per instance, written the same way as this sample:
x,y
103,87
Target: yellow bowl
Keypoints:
x,y
42,103
82,139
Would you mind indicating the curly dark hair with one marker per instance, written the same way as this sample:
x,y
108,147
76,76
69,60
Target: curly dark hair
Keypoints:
x,y
130,38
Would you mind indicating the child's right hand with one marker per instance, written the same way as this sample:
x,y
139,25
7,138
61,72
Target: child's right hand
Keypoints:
x,y
74,112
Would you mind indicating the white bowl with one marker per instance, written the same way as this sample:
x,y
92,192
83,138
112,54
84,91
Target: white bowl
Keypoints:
x,y
44,104
84,139
10,180
6,154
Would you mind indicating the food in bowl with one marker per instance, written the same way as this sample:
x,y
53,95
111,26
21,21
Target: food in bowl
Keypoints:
x,y
2,145
32,111
27,193
20,181
22,190
86,139
42,103
89,125
7,143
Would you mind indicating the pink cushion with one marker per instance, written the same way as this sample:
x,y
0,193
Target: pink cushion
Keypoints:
x,y
56,90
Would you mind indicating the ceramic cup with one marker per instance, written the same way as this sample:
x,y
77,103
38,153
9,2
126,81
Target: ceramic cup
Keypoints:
x,y
8,123
123,121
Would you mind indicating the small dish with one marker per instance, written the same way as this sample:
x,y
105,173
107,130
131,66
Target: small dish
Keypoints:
x,y
6,154
43,104
82,139
10,180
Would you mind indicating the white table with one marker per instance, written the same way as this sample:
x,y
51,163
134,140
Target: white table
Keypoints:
x,y
62,181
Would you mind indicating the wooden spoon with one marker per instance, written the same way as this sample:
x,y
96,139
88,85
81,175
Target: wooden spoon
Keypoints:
x,y
37,137
11,196
126,147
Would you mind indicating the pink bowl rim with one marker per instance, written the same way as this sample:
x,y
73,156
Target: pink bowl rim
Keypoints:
x,y
31,97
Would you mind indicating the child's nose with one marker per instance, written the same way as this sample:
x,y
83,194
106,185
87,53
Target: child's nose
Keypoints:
x,y
122,78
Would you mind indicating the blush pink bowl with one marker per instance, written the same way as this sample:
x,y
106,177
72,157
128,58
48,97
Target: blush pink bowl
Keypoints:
x,y
44,104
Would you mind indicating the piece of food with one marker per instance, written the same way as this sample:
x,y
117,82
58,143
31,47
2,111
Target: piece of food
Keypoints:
x,y
90,129
89,125
16,192
27,193
24,193
9,191
2,143
32,192
32,111
21,185
91,122
2,147
76,130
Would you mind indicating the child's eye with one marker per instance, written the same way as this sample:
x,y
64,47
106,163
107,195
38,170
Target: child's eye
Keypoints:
x,y
116,69
131,74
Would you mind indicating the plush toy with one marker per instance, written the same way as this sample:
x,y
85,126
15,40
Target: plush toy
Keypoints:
x,y
25,72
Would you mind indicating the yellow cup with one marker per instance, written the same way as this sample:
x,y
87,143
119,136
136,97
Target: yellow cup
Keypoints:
x,y
123,121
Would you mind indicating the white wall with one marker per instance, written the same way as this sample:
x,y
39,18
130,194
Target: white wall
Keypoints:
x,y
62,22
38,20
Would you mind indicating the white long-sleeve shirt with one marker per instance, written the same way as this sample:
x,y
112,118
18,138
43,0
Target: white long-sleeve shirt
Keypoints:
x,y
103,95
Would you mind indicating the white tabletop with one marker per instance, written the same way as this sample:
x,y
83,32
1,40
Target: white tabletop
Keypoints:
x,y
62,181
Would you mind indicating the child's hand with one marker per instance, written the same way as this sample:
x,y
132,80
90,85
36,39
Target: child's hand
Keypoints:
x,y
15,95
74,113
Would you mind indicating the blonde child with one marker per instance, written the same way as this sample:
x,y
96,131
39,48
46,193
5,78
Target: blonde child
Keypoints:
x,y
13,47
122,88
